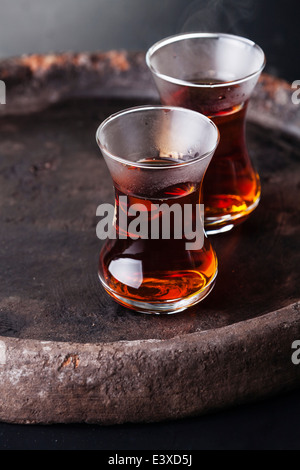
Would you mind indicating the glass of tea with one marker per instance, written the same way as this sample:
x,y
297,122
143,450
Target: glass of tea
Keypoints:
x,y
215,74
157,258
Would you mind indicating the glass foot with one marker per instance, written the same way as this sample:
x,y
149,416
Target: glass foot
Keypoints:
x,y
159,308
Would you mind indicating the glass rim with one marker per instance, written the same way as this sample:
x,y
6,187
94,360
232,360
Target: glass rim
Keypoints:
x,y
196,35
144,108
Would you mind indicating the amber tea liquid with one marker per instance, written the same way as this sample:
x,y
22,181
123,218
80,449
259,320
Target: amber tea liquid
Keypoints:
x,y
155,270
231,187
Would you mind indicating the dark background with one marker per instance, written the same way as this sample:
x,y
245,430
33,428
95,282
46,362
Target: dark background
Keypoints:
x,y
30,26
42,26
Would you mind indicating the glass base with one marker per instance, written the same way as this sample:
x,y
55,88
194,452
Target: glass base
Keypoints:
x,y
158,308
215,225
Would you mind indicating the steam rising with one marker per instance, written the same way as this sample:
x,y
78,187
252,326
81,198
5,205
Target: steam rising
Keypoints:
x,y
219,16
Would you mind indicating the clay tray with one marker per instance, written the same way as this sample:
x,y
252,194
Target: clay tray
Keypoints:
x,y
69,353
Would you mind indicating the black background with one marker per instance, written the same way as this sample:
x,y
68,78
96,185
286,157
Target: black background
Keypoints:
x,y
272,423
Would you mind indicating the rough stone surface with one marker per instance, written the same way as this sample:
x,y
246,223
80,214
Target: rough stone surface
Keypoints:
x,y
69,353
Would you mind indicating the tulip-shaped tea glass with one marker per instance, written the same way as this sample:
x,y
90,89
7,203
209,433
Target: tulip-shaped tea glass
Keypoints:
x,y
215,75
157,258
